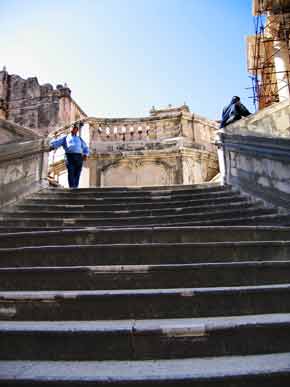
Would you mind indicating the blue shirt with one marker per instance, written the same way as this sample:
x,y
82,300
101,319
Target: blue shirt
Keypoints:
x,y
71,144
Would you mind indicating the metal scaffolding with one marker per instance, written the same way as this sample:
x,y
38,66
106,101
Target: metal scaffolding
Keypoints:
x,y
272,31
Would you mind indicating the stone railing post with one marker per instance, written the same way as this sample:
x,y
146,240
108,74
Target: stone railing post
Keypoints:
x,y
221,155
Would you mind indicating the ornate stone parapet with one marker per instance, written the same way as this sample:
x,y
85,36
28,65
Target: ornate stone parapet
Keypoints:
x,y
163,124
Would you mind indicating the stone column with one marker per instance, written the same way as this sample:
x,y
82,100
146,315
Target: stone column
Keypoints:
x,y
4,93
92,165
3,109
282,66
64,114
221,155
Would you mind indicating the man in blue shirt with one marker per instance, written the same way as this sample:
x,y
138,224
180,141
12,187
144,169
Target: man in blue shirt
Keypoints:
x,y
76,151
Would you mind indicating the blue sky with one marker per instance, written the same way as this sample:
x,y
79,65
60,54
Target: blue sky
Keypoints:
x,y
120,57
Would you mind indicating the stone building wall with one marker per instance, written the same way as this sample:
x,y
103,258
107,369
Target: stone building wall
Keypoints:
x,y
39,107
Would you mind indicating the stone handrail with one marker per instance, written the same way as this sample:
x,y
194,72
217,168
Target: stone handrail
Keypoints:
x,y
23,165
272,121
255,155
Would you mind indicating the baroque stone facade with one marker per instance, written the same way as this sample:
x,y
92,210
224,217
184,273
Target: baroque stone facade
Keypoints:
x,y
170,146
39,107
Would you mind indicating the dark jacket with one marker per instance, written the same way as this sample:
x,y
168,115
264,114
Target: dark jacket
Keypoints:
x,y
233,112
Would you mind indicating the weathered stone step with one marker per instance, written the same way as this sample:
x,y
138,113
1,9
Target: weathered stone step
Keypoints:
x,y
143,304
145,339
145,276
66,212
161,188
146,254
264,219
271,219
144,235
100,192
270,370
74,199
30,203
137,220
268,220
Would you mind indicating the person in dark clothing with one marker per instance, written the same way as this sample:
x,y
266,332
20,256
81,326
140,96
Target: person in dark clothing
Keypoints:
x,y
76,150
233,112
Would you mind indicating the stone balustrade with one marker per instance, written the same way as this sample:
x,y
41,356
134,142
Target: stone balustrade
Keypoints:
x,y
124,133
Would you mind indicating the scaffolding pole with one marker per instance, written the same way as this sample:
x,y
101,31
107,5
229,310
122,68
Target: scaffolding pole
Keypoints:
x,y
272,32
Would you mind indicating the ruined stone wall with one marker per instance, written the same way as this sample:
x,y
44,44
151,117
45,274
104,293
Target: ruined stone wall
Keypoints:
x,y
39,107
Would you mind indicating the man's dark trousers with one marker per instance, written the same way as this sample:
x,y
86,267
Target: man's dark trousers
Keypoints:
x,y
74,163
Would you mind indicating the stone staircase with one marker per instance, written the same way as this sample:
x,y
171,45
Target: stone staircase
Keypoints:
x,y
179,286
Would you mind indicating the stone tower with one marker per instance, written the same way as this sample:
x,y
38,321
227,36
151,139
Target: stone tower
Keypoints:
x,y
42,107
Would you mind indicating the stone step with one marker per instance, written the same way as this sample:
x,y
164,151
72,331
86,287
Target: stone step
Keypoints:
x,y
144,235
145,339
108,199
268,220
267,370
138,220
161,188
121,192
82,305
145,276
264,219
35,204
145,254
66,212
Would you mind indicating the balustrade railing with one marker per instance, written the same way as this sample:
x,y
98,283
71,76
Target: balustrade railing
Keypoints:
x,y
123,133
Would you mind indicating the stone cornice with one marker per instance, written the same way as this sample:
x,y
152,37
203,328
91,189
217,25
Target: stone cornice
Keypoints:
x,y
130,120
155,153
261,147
